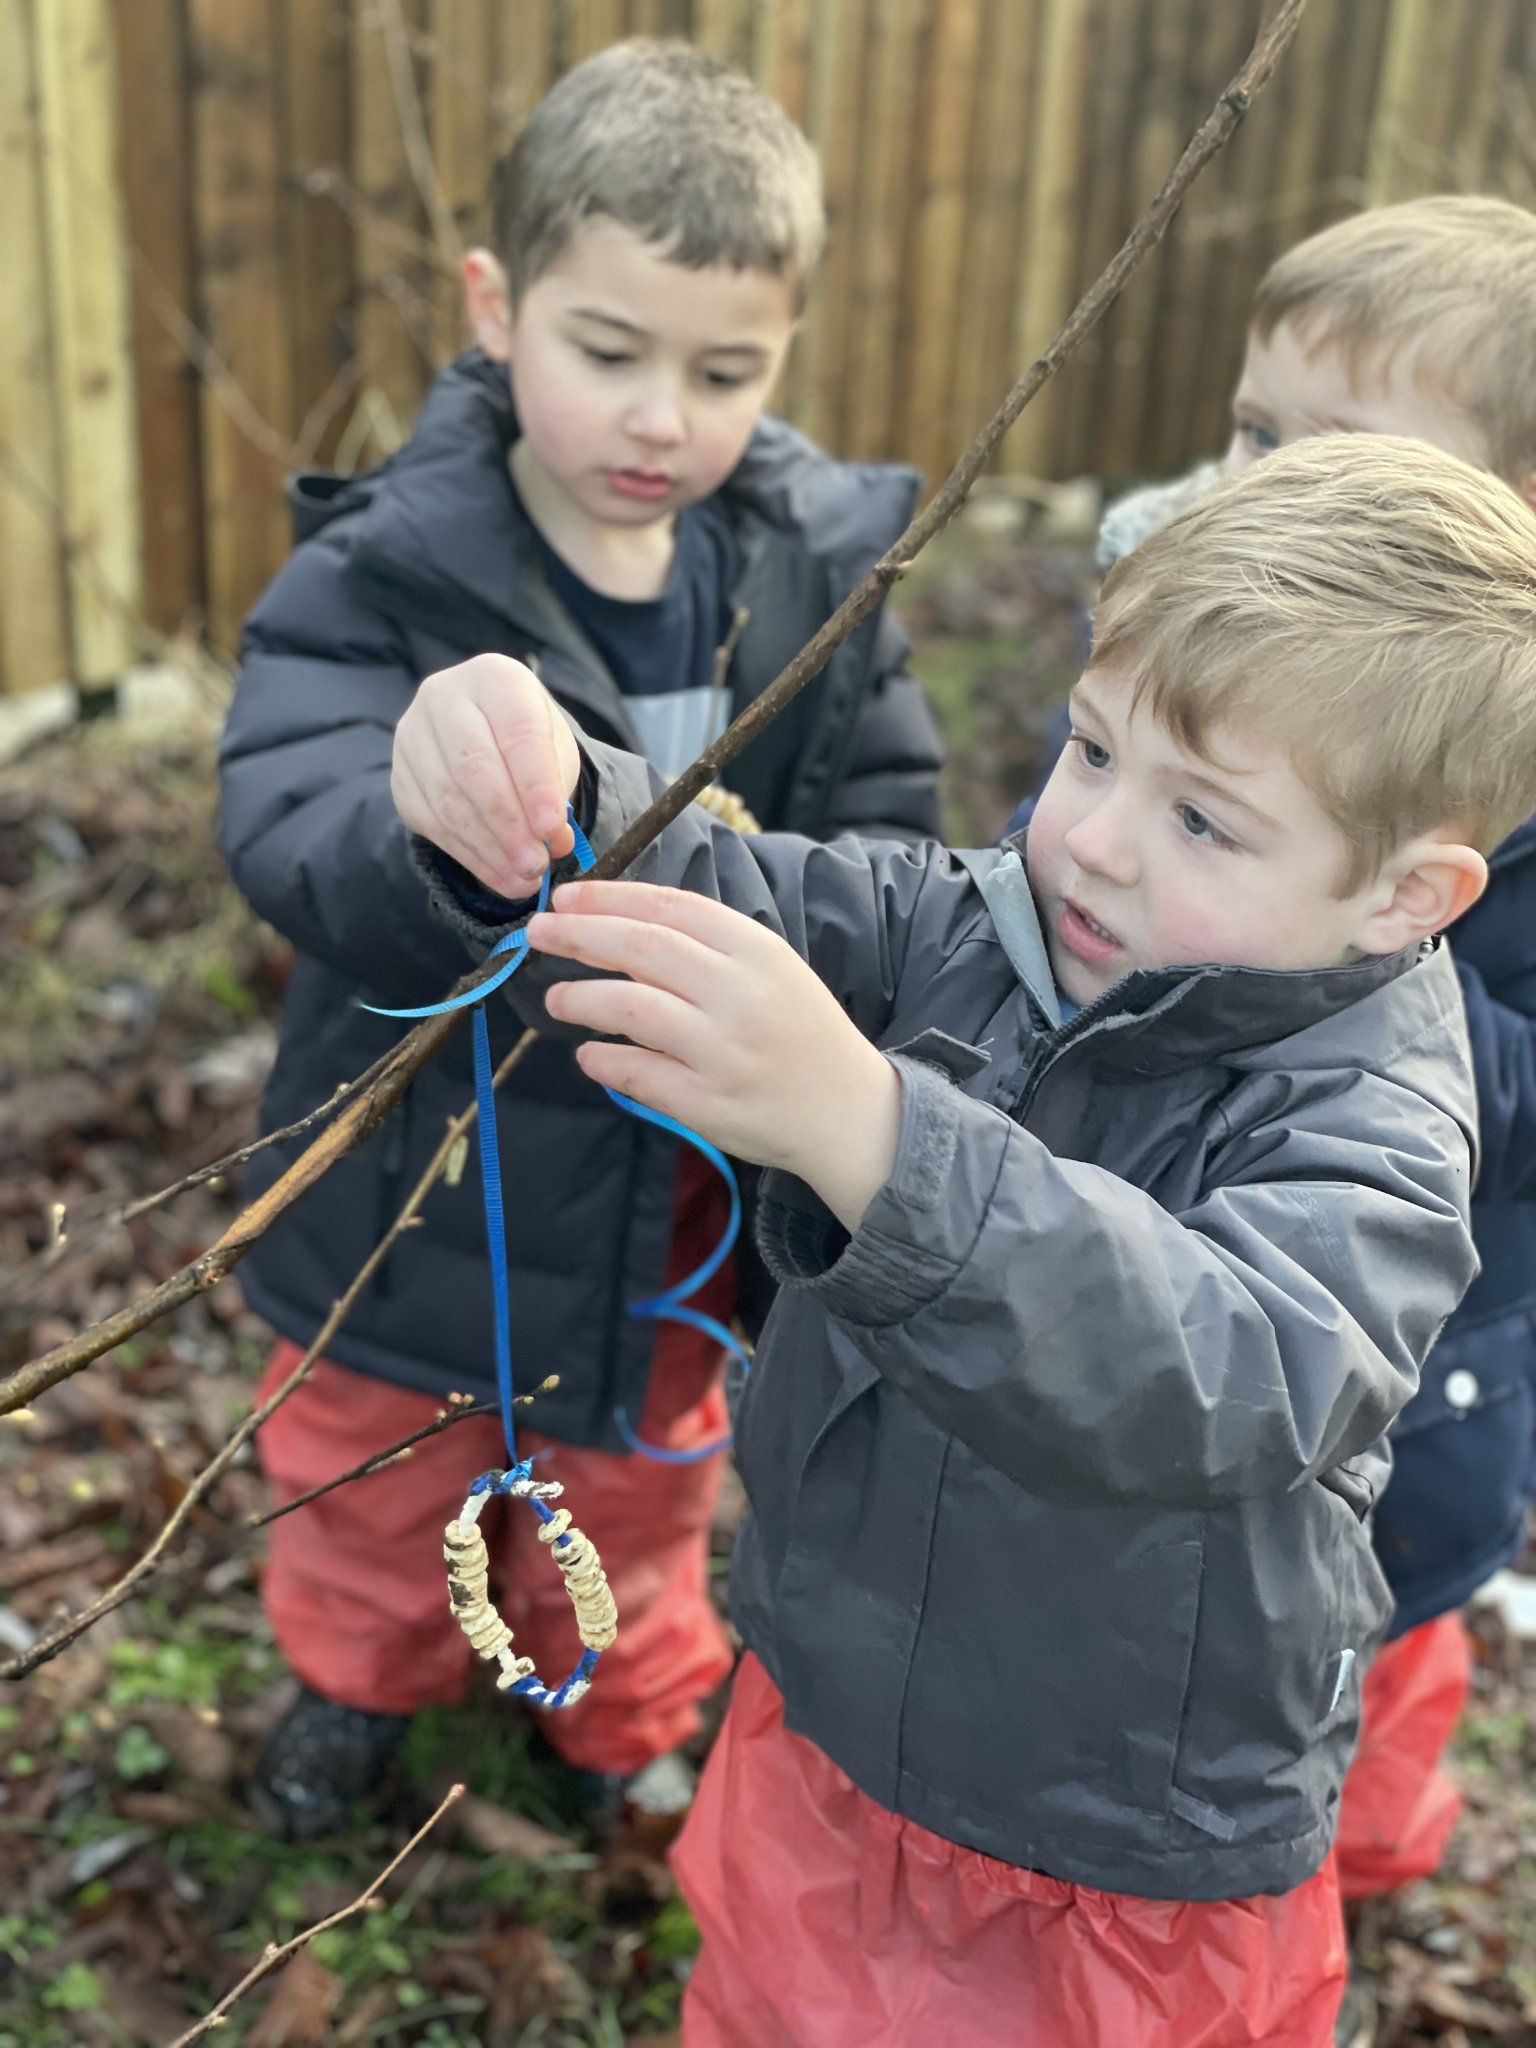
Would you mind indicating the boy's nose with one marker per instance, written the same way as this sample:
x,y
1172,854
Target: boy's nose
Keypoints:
x,y
658,419
1102,843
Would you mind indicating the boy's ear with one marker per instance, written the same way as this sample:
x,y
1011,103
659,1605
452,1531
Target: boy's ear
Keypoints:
x,y
488,304
1427,887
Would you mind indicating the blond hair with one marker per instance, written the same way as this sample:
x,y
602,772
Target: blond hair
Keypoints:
x,y
1369,604
1452,278
665,139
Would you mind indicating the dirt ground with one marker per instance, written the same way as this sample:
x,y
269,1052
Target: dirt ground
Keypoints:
x,y
136,1027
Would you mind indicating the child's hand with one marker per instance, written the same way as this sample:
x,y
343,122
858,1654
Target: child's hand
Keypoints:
x,y
484,764
730,1032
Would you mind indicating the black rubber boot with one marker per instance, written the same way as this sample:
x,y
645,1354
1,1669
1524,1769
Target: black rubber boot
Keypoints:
x,y
319,1760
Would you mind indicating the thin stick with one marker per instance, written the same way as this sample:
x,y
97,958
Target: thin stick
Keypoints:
x,y
49,1646
273,1955
101,1222
460,1408
419,1045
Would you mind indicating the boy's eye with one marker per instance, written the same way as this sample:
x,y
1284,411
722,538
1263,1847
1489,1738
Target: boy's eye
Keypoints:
x,y
1263,440
1199,826
608,357
1094,756
724,380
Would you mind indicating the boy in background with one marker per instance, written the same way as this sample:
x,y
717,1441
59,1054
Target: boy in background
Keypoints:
x,y
1417,319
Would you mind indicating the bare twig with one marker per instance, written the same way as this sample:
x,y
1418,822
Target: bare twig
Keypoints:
x,y
230,1160
364,1115
273,1955
92,1224
460,1408
49,1646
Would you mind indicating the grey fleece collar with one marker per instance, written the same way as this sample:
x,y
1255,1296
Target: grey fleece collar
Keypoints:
x,y
1008,897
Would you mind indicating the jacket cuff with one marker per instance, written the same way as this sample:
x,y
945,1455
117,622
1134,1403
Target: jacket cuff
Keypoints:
x,y
476,913
885,1272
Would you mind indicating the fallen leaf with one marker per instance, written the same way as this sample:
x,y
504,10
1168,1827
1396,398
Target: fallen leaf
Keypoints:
x,y
499,1833
298,2014
142,2014
204,1752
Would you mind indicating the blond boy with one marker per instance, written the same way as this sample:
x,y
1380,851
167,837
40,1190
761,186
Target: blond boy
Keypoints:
x,y
1119,1191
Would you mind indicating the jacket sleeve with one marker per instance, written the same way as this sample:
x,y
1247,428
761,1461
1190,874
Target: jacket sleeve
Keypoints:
x,y
308,826
864,914
1504,1062
889,787
1092,1345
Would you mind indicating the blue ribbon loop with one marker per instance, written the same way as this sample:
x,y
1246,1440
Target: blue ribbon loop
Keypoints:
x,y
671,1305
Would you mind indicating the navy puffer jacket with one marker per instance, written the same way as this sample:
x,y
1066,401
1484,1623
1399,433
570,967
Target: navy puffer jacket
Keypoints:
x,y
1465,1446
411,569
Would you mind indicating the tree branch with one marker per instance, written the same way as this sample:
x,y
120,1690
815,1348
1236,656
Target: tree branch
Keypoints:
x,y
49,1646
363,1116
459,1409
274,1955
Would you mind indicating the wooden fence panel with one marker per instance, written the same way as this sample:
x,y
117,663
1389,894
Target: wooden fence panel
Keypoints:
x,y
34,621
244,254
155,155
88,306
248,398
319,241
892,66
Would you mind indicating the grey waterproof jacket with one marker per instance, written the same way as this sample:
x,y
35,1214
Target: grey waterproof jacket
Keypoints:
x,y
1060,1467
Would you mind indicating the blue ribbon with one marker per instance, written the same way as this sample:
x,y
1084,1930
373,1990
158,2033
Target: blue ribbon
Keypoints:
x,y
671,1305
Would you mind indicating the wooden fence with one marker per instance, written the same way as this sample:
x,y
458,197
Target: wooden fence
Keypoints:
x,y
229,230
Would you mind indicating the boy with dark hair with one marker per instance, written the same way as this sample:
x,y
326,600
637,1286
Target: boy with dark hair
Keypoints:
x,y
596,491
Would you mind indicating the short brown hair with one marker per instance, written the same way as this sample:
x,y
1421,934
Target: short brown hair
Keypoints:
x,y
666,140
1453,277
1367,602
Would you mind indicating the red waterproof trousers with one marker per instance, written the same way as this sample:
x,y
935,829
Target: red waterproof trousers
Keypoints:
x,y
1399,1806
829,1923
355,1588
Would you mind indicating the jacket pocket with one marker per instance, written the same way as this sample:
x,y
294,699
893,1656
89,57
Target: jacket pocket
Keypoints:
x,y
1156,1667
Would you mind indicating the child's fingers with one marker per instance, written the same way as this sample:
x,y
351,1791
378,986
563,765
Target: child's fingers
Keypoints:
x,y
700,918
649,1017
650,953
533,743
480,796
650,1077
415,782
551,809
